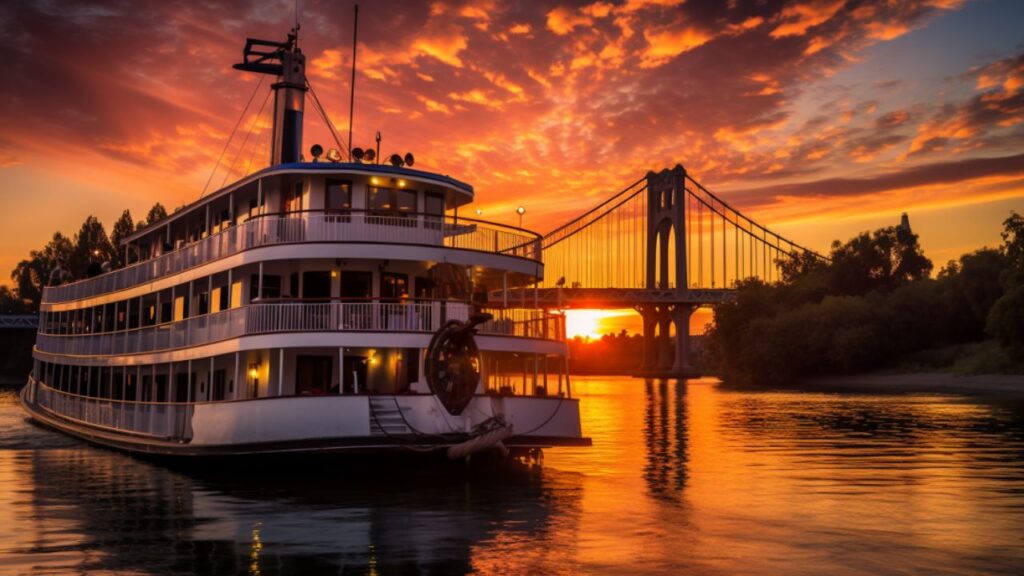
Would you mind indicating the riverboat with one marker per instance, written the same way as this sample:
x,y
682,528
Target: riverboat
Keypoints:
x,y
335,304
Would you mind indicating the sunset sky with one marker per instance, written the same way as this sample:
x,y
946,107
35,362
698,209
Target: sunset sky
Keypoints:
x,y
821,118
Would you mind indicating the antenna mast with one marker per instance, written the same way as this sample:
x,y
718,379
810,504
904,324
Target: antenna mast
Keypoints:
x,y
352,94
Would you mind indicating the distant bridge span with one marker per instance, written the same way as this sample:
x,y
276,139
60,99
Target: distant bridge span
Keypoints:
x,y
664,246
19,322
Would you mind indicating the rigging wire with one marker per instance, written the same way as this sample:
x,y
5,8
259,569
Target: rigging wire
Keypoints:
x,y
252,125
233,130
260,146
323,114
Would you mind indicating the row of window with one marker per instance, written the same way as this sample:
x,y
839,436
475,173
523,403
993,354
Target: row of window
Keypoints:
x,y
338,197
134,383
153,309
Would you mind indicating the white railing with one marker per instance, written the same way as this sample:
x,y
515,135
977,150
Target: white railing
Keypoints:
x,y
271,317
312,226
168,420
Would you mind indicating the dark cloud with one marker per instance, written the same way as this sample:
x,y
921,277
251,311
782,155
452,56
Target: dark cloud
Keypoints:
x,y
924,175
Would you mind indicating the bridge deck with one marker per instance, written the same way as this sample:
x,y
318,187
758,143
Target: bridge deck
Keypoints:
x,y
19,321
610,298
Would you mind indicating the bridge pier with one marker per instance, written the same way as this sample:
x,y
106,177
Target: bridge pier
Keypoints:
x,y
664,339
665,355
682,364
650,321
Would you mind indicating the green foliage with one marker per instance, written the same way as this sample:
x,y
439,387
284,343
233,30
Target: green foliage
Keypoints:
x,y
987,358
873,306
1005,321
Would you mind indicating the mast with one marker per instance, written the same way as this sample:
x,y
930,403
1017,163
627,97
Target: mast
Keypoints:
x,y
286,61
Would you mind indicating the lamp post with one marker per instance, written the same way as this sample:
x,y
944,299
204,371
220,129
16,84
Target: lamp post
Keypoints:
x,y
520,211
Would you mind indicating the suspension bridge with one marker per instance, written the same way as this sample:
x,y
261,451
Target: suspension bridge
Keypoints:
x,y
664,246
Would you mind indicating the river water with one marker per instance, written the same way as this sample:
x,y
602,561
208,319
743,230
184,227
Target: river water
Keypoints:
x,y
683,478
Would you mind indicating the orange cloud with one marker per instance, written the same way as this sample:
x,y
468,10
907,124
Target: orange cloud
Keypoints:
x,y
798,17
665,45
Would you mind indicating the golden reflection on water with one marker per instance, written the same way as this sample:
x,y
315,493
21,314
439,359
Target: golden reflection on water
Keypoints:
x,y
682,478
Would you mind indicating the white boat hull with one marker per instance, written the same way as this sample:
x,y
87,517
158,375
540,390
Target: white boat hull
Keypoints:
x,y
353,423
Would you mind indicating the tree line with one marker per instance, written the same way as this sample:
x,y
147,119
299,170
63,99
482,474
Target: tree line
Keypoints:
x,y
85,254
874,304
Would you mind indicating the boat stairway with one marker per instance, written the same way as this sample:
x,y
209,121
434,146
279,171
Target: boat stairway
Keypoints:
x,y
386,417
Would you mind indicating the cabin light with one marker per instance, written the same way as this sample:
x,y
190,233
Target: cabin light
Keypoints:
x,y
254,371
401,183
334,273
374,361
374,181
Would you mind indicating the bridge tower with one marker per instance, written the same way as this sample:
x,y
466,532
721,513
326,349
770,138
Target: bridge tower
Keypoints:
x,y
666,226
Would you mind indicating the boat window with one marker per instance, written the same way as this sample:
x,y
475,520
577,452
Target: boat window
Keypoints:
x,y
316,284
380,200
217,386
406,201
424,287
394,286
356,285
133,313
434,204
313,375
108,318
293,201
165,311
223,303
271,286
131,385
150,314
338,195
181,387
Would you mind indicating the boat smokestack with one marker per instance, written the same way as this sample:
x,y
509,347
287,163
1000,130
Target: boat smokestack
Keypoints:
x,y
286,61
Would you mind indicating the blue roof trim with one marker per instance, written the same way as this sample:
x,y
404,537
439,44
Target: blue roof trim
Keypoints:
x,y
375,168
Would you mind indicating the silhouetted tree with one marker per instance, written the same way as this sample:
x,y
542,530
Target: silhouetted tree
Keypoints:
x,y
882,260
1006,318
121,230
155,214
11,303
32,274
92,249
871,305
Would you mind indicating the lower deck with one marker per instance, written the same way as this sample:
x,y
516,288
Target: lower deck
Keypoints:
x,y
335,423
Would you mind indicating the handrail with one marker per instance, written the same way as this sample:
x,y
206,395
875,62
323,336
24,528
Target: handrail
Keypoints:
x,y
313,226
266,318
164,420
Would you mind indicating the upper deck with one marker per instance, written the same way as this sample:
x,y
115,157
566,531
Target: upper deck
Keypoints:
x,y
347,209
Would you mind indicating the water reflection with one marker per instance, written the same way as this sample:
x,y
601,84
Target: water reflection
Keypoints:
x,y
683,478
117,513
665,436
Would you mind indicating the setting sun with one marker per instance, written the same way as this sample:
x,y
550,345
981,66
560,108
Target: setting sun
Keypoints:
x,y
595,323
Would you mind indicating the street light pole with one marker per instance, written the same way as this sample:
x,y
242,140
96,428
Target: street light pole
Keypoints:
x,y
520,211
